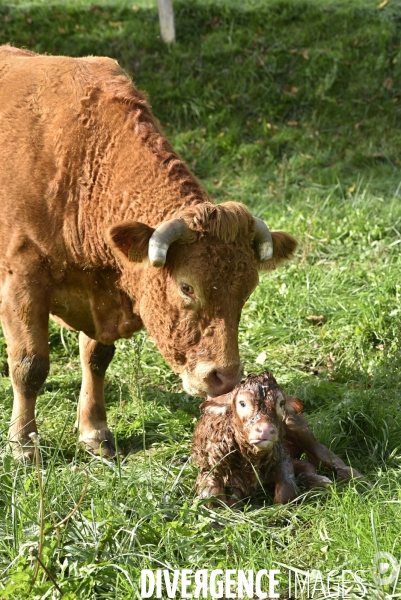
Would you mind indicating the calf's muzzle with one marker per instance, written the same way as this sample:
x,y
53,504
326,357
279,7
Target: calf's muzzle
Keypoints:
x,y
263,433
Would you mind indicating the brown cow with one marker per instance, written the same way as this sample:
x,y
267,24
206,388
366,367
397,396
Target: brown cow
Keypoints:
x,y
104,228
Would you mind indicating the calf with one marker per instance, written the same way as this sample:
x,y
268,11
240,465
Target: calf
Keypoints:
x,y
255,436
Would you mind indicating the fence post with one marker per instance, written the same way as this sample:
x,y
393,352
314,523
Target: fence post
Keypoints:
x,y
166,19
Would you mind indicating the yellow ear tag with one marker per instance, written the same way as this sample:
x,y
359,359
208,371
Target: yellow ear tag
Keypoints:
x,y
134,255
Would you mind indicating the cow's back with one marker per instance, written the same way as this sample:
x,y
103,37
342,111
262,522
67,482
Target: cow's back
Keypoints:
x,y
50,130
79,151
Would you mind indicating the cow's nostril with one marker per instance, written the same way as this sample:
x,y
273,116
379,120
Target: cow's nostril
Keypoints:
x,y
214,380
222,381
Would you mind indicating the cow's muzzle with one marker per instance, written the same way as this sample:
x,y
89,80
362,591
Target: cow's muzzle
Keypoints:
x,y
210,379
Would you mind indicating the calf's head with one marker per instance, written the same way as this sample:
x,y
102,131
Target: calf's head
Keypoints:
x,y
189,279
257,408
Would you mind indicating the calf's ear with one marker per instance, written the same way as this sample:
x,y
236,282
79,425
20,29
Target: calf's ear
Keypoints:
x,y
284,246
130,240
216,406
293,405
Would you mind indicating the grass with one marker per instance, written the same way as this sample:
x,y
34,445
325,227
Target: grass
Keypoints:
x,y
292,107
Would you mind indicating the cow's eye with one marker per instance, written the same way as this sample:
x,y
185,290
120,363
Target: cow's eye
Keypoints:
x,y
282,403
242,403
186,289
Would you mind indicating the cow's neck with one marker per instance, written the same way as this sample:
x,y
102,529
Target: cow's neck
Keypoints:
x,y
141,180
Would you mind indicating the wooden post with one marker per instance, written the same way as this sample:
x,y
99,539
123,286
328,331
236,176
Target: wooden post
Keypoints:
x,y
166,19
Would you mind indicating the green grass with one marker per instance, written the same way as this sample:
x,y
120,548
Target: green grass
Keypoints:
x,y
292,107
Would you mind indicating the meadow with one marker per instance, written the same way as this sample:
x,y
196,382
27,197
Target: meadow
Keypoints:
x,y
292,107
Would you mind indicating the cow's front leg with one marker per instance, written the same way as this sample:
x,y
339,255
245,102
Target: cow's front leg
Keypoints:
x,y
25,317
92,422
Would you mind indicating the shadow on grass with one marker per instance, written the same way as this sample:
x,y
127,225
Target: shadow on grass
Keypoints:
x,y
356,413
158,417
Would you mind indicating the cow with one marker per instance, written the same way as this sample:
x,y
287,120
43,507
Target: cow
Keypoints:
x,y
104,228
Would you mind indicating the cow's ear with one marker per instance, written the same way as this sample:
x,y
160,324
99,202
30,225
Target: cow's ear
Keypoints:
x,y
216,406
130,240
293,405
284,246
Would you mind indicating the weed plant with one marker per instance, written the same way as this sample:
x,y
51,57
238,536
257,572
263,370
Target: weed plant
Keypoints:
x,y
292,107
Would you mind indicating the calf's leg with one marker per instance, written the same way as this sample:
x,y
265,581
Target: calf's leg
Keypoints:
x,y
284,478
210,486
305,472
25,317
92,422
299,438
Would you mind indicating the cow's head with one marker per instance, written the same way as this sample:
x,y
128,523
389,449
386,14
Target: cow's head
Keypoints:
x,y
196,273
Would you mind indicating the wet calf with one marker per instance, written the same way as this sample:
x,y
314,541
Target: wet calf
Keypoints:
x,y
255,436
238,442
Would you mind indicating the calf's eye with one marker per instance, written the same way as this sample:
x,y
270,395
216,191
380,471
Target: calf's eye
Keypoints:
x,y
242,403
186,289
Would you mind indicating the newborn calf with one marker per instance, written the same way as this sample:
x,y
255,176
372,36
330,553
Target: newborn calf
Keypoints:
x,y
255,436
238,442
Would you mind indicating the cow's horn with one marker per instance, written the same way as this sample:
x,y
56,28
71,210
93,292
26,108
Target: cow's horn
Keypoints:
x,y
162,237
263,239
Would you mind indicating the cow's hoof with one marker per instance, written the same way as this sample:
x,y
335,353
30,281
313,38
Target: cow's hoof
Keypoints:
x,y
99,442
22,446
23,452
